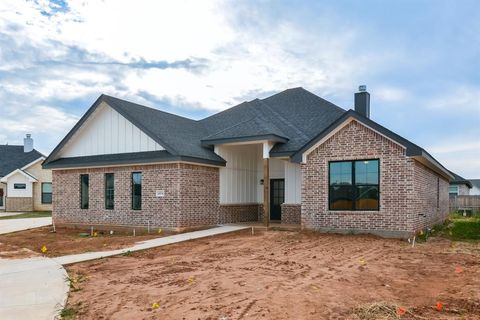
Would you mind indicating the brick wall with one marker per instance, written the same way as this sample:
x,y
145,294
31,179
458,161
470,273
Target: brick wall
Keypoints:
x,y
291,213
230,213
431,204
191,196
198,195
18,204
398,214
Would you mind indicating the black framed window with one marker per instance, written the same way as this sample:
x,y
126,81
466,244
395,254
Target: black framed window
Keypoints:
x,y
354,185
136,190
109,191
19,186
46,192
84,191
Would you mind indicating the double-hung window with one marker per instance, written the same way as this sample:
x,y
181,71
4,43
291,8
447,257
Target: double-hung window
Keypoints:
x,y
354,185
46,192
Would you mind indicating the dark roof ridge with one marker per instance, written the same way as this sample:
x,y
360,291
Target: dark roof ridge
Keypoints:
x,y
285,121
144,106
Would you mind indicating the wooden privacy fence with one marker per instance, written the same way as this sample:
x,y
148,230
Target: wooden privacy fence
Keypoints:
x,y
471,202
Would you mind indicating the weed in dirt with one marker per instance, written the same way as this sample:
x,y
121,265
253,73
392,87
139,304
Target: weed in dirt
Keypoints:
x,y
74,280
70,312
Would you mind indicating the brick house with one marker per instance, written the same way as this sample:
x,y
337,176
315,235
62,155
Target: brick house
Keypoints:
x,y
24,184
291,158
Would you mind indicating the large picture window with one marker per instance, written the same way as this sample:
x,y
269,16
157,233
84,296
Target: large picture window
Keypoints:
x,y
109,191
47,192
84,191
136,190
354,185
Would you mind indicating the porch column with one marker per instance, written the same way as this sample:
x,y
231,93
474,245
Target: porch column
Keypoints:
x,y
266,191
267,146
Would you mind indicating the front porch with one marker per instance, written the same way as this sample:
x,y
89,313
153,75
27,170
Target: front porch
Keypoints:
x,y
257,188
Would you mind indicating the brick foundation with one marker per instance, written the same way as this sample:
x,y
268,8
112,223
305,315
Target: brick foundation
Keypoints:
x,y
407,188
291,213
231,213
18,204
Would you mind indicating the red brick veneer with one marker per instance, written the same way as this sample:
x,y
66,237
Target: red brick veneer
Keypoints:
x,y
407,188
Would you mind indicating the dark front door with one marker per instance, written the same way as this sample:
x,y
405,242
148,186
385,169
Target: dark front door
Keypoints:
x,y
277,197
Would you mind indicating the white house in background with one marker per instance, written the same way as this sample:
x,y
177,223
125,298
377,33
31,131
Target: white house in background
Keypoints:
x,y
459,186
475,191
24,184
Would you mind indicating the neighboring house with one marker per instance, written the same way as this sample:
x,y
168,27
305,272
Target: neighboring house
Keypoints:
x,y
292,157
459,186
24,184
475,191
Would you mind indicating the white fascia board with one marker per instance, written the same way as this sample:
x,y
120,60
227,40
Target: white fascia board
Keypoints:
x,y
28,176
32,163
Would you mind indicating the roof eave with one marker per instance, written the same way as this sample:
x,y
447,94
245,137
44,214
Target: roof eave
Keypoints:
x,y
124,162
265,137
427,160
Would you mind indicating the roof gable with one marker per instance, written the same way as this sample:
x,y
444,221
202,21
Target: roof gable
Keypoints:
x,y
27,175
108,132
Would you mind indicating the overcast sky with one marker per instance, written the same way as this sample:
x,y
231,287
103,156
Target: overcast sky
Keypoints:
x,y
419,59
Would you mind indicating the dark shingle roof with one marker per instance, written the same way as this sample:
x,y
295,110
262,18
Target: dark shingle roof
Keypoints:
x,y
178,135
460,180
295,114
294,118
13,157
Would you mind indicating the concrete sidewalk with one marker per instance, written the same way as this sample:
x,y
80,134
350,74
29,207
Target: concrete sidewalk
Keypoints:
x,y
36,288
12,225
153,243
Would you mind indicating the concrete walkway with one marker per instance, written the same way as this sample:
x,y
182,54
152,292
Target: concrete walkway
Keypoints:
x,y
153,243
12,225
36,288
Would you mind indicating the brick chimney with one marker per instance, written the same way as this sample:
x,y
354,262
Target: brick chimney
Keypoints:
x,y
362,101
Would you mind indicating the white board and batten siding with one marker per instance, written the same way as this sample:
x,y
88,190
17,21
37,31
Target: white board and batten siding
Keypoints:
x,y
293,183
108,132
240,178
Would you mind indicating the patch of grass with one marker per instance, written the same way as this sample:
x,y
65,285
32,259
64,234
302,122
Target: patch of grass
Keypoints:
x,y
456,227
33,214
465,228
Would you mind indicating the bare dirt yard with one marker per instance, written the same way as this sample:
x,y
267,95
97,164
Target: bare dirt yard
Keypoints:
x,y
282,275
65,241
